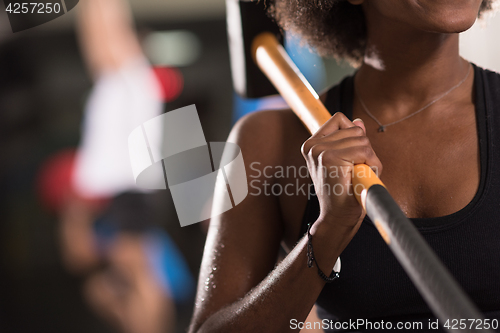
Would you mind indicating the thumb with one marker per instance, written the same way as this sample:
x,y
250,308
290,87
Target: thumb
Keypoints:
x,y
359,122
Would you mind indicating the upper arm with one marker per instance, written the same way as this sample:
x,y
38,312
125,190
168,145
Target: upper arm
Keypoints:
x,y
242,243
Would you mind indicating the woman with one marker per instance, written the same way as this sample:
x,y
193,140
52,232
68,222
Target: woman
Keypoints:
x,y
428,117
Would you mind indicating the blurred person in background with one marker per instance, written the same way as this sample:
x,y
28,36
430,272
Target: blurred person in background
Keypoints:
x,y
134,274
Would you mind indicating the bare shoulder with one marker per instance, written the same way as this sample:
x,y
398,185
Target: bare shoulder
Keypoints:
x,y
269,135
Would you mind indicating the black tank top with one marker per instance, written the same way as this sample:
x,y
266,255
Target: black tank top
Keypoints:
x,y
373,285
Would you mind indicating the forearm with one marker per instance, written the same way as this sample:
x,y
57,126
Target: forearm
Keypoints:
x,y
287,293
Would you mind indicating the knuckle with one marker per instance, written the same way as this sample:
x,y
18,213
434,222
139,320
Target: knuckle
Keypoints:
x,y
339,116
306,147
364,141
316,151
358,131
303,149
367,151
326,157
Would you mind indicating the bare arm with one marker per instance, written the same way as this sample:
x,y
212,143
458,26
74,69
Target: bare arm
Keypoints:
x,y
107,35
238,290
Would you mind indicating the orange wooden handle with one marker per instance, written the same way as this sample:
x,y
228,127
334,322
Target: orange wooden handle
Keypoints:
x,y
273,60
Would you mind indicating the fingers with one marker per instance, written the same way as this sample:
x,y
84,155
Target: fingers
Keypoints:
x,y
354,131
359,122
336,122
351,156
341,142
314,148
345,153
330,155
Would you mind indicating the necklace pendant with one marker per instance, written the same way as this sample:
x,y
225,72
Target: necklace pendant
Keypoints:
x,y
381,128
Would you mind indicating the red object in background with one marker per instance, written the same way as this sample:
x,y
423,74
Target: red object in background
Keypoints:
x,y
55,182
55,179
171,82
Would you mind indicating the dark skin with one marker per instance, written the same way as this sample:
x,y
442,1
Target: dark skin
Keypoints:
x,y
423,157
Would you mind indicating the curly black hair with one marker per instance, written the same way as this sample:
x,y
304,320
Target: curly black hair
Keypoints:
x,y
333,28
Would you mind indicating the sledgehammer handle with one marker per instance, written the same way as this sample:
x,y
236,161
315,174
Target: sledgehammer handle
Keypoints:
x,y
273,60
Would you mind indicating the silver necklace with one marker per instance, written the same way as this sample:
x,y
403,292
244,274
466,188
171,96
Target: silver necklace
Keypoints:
x,y
382,127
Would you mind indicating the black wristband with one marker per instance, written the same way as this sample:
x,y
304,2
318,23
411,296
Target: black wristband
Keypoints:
x,y
310,259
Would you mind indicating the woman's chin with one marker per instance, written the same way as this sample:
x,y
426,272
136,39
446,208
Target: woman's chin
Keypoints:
x,y
439,16
452,24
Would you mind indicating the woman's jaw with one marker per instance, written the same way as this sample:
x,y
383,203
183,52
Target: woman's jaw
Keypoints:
x,y
432,16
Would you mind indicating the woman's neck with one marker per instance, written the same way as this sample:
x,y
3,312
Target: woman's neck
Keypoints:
x,y
404,69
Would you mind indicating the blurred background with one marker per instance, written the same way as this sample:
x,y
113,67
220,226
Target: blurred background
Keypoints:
x,y
45,83
51,280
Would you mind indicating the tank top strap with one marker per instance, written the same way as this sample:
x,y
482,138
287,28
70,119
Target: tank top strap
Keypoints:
x,y
340,97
